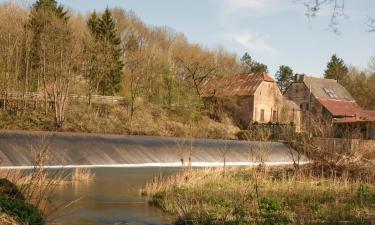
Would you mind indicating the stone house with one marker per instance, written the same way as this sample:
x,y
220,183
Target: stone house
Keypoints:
x,y
328,100
249,99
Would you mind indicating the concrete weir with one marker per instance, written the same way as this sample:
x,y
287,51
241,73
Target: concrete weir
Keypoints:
x,y
19,148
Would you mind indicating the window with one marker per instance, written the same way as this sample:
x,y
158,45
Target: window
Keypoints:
x,y
330,92
262,115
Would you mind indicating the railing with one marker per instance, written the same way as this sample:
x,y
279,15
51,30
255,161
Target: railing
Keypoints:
x,y
37,96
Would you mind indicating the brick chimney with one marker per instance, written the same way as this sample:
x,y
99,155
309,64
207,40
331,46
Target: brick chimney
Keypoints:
x,y
299,77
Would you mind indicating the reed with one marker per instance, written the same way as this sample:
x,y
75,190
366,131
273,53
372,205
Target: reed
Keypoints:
x,y
262,196
82,174
7,220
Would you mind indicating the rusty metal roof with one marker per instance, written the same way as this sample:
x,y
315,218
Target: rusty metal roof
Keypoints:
x,y
347,111
341,108
236,85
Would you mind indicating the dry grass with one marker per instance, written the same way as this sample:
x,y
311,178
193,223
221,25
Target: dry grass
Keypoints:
x,y
82,174
262,196
7,220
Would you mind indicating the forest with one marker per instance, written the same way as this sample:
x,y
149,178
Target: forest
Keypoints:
x,y
47,49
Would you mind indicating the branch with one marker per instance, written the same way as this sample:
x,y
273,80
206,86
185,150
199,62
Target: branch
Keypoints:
x,y
371,24
338,11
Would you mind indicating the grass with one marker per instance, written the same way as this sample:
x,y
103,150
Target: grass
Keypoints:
x,y
82,174
7,220
149,119
262,196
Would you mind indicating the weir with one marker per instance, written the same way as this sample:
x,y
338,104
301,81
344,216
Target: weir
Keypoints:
x,y
18,149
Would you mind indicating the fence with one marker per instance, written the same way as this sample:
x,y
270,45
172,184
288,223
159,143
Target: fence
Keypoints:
x,y
37,96
344,146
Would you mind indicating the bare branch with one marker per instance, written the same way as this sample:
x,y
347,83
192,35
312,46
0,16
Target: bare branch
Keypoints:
x,y
370,24
338,11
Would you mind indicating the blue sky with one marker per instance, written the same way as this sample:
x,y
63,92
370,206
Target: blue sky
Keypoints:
x,y
275,32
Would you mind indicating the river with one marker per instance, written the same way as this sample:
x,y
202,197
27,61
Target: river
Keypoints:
x,y
111,198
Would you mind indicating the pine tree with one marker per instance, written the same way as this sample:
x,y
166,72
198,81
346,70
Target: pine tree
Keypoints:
x,y
43,14
105,34
93,24
337,70
107,28
251,66
284,77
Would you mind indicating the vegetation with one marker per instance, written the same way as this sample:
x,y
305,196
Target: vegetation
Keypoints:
x,y
284,77
337,70
53,52
358,83
82,174
262,196
251,66
340,177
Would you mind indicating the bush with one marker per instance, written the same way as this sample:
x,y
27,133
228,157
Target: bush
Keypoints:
x,y
24,212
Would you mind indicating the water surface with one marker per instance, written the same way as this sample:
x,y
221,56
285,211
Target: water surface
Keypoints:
x,y
112,198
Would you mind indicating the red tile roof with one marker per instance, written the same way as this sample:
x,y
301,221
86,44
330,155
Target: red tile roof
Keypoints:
x,y
236,85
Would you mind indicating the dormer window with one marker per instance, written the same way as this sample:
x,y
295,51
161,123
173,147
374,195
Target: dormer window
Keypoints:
x,y
330,92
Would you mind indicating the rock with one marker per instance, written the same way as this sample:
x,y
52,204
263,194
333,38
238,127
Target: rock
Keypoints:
x,y
10,190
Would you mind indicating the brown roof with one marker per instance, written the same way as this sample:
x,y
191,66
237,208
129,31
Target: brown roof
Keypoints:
x,y
347,112
236,85
341,108
327,89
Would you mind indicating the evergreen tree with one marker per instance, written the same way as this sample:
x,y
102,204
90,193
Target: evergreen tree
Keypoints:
x,y
251,66
104,31
93,24
107,28
284,77
337,70
44,13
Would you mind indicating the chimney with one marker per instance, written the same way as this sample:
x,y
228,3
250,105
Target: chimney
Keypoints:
x,y
299,78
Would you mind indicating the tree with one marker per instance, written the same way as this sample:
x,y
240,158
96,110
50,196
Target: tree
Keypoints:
x,y
337,70
52,54
251,66
371,65
337,12
12,37
284,77
106,80
196,65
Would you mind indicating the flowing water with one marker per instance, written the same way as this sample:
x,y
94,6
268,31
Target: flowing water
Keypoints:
x,y
111,198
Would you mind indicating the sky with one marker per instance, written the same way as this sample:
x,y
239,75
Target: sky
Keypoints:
x,y
274,32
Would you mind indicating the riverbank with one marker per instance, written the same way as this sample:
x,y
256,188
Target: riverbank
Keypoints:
x,y
262,196
148,120
16,207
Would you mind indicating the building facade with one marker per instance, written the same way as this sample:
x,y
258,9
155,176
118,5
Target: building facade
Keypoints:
x,y
251,98
326,99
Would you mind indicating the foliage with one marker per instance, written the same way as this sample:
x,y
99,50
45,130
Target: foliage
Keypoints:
x,y
104,54
261,196
360,85
25,212
284,77
337,70
251,66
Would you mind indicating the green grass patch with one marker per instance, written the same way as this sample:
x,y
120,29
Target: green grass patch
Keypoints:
x,y
250,196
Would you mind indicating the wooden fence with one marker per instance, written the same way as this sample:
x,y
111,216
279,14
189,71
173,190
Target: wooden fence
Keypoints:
x,y
344,146
37,96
